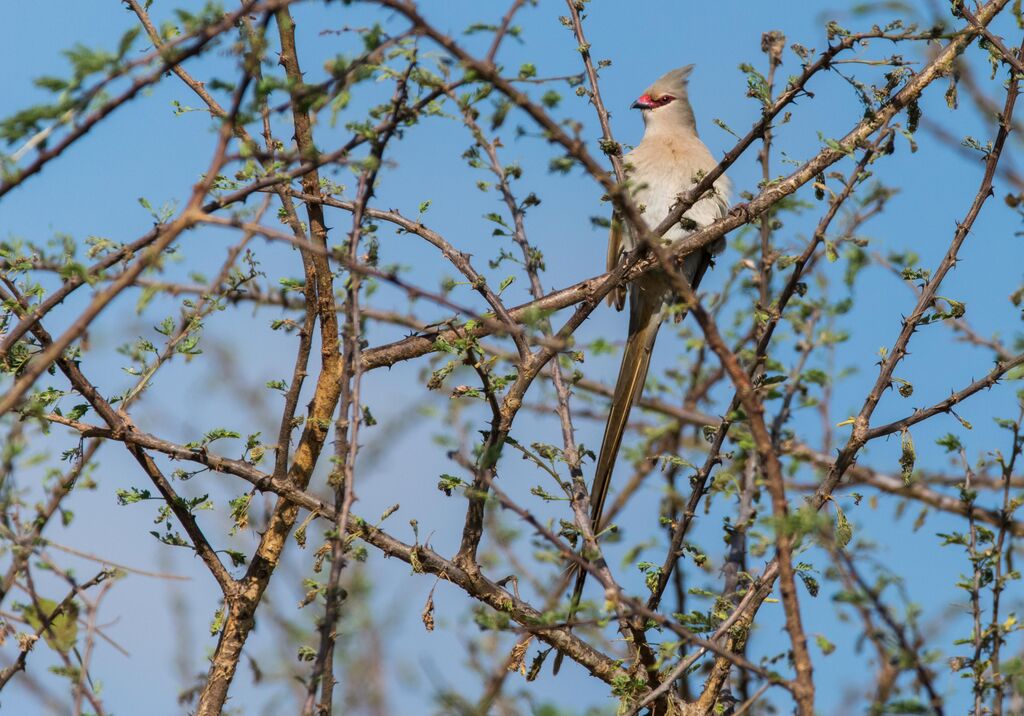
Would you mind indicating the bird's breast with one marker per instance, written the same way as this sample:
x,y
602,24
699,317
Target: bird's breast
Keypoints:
x,y
657,185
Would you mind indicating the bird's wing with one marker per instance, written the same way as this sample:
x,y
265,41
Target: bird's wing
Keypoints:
x,y
617,297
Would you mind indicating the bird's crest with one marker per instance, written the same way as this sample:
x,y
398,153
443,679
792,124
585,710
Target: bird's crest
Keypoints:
x,y
671,83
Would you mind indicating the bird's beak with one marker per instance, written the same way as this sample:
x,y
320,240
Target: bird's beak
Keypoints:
x,y
642,102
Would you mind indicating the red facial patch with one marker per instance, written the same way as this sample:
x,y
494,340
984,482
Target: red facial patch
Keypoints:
x,y
645,101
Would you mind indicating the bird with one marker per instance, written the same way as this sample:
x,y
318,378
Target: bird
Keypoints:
x,y
669,160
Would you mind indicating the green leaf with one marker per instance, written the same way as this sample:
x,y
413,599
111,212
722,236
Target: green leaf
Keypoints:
x,y
668,461
843,531
561,165
62,632
551,99
78,411
951,442
219,434
810,583
830,252
238,559
448,483
132,495
368,419
824,644
217,622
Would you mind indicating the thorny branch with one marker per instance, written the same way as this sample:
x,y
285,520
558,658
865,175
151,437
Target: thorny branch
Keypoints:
x,y
752,445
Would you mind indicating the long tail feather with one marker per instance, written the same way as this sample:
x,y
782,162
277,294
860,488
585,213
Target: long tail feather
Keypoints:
x,y
644,322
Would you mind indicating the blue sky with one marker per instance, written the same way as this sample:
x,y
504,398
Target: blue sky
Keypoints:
x,y
145,150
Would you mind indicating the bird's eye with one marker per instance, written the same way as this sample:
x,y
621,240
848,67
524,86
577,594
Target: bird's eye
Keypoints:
x,y
665,99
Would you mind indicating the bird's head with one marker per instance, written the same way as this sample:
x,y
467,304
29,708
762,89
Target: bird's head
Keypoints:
x,y
666,102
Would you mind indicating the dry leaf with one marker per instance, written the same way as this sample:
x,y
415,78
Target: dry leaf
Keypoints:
x,y
427,615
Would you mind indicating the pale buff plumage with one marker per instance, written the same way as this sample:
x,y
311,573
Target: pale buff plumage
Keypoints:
x,y
669,160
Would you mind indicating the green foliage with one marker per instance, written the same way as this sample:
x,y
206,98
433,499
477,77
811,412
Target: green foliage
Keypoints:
x,y
132,496
213,436
651,572
843,531
806,574
61,623
374,74
448,483
826,646
240,512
